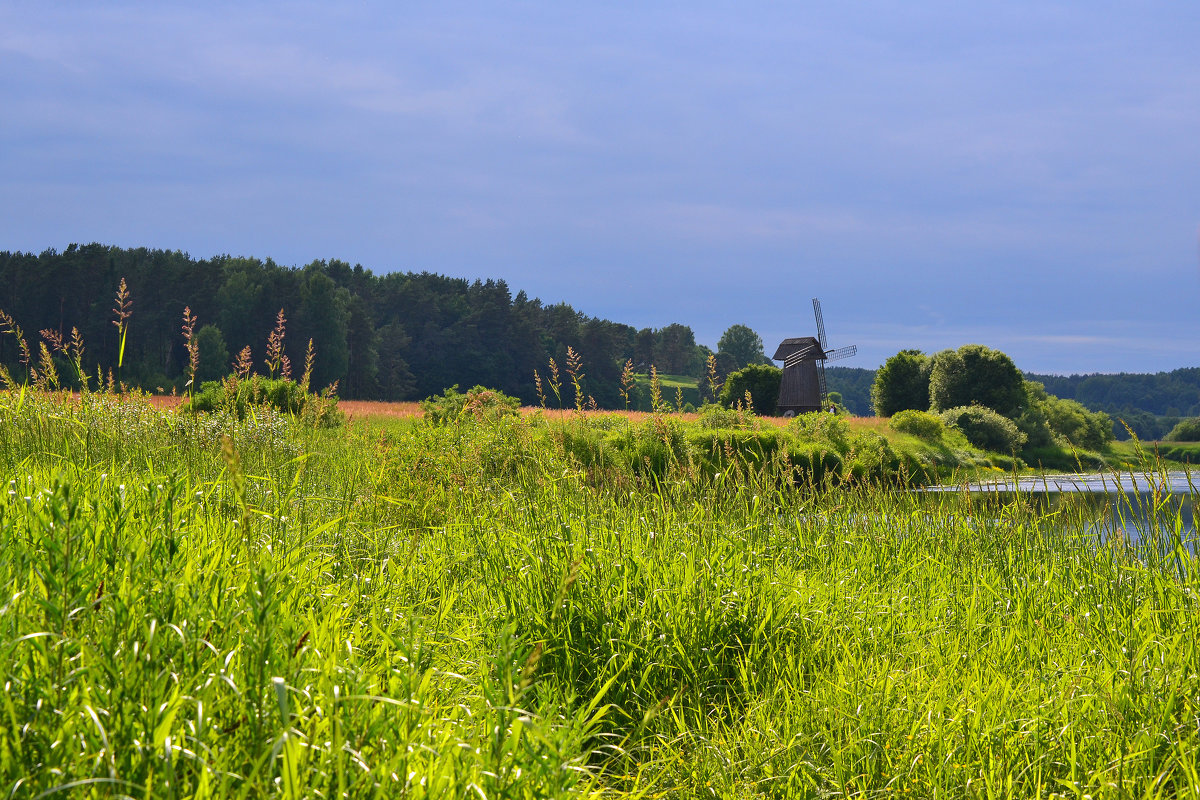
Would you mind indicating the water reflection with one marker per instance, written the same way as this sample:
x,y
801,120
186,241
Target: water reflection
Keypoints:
x,y
1154,510
1097,483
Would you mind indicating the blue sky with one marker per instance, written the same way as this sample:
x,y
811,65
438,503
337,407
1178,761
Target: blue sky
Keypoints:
x,y
1022,175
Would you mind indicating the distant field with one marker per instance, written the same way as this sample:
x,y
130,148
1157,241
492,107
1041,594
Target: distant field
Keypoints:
x,y
368,409
359,409
365,410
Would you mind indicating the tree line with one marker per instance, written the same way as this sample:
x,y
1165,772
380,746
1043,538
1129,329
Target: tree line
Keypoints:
x,y
396,336
981,388
1150,404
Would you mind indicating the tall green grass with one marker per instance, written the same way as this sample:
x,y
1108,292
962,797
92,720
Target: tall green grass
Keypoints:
x,y
195,607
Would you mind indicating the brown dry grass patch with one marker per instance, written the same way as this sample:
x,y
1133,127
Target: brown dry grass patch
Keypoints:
x,y
364,409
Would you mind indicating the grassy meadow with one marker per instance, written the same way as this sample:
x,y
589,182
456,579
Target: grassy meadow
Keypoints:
x,y
564,604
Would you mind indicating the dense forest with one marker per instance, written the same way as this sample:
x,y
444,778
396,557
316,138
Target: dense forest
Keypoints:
x,y
396,336
1150,404
408,335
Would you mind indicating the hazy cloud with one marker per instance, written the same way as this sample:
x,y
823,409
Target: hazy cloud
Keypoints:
x,y
1021,175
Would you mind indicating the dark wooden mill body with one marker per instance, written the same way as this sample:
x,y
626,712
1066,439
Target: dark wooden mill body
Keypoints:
x,y
802,388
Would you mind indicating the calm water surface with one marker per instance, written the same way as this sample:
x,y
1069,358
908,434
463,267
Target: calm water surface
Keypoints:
x,y
1137,508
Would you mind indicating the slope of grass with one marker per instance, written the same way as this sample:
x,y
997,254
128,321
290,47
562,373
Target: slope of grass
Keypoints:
x,y
252,609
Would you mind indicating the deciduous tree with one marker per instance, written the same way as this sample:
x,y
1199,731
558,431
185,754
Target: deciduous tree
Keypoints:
x,y
976,375
742,346
902,383
761,380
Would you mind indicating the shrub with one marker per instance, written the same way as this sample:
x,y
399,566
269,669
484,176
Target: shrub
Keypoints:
x,y
237,397
760,380
713,416
750,447
657,444
1048,420
814,464
870,457
984,428
823,428
1033,423
586,445
1072,422
608,422
921,424
1187,430
479,403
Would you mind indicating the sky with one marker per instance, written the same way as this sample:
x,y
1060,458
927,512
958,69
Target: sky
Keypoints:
x,y
1024,175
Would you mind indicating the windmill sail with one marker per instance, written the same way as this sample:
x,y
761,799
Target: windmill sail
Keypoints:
x,y
807,354
841,352
820,324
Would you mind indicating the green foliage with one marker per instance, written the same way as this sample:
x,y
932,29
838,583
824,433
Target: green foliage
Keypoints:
x,y
1183,452
760,380
985,428
822,427
816,465
740,347
976,375
656,446
241,398
454,611
394,336
1076,425
714,416
1162,394
921,424
324,315
1033,423
214,355
854,384
1187,430
726,448
1143,424
902,383
671,386
479,404
870,457
1048,420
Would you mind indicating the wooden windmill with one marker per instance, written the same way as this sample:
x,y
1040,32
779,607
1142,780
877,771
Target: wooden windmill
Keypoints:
x,y
803,386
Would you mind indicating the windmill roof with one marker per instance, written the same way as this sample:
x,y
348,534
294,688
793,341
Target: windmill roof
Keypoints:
x,y
789,346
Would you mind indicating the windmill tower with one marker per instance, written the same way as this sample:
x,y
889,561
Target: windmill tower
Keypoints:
x,y
803,386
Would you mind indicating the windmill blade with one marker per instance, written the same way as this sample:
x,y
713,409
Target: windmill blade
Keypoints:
x,y
807,354
841,352
821,383
820,323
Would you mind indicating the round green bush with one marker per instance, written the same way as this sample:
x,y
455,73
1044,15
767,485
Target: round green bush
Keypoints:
x,y
713,417
823,427
921,424
871,457
985,429
237,396
1186,430
760,380
814,464
479,403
